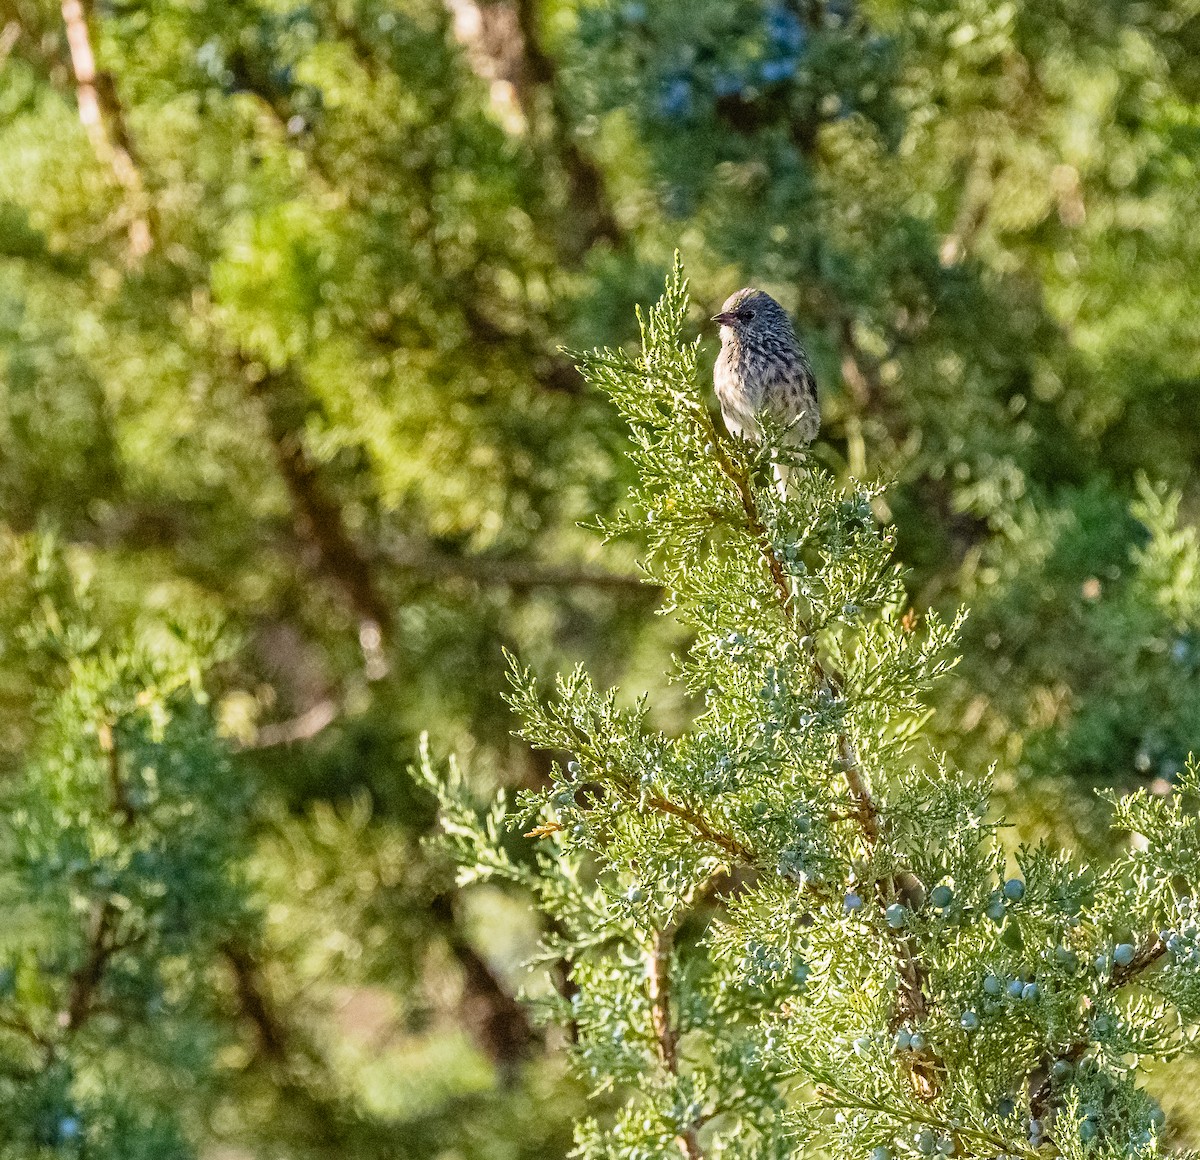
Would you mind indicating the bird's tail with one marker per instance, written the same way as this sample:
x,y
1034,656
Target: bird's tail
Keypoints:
x,y
787,477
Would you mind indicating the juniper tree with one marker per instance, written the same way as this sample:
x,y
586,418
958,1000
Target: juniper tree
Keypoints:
x,y
794,928
123,841
982,214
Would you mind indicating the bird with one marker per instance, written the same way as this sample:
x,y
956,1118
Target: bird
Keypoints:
x,y
763,367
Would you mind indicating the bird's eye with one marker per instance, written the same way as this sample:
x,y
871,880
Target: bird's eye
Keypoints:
x,y
745,315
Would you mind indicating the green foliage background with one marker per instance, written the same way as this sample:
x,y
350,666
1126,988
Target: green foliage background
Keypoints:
x,y
289,454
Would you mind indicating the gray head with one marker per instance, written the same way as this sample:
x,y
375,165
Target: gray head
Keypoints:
x,y
754,318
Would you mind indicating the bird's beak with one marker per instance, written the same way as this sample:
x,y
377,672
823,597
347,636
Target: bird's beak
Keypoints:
x,y
725,319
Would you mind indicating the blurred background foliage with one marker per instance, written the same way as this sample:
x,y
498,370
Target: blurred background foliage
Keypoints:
x,y
289,453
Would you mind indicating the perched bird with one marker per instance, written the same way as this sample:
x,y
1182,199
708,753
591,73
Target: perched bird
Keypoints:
x,y
763,368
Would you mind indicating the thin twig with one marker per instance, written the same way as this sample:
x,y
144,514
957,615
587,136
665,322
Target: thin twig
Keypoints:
x,y
735,849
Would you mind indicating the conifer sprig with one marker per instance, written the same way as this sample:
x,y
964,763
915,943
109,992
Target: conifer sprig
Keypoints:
x,y
794,930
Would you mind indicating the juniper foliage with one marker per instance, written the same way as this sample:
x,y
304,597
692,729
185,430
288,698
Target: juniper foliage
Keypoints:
x,y
123,838
795,929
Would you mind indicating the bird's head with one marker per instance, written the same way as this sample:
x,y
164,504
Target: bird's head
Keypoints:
x,y
753,317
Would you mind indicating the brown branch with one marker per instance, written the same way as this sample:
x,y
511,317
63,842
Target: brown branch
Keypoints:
x,y
103,120
9,35
515,574
658,972
503,46
137,527
303,727
86,980
318,518
254,1001
856,780
1148,952
587,200
666,1035
121,805
754,522
102,944
730,845
493,1017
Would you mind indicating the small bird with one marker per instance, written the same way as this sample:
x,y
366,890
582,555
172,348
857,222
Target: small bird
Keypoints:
x,y
763,367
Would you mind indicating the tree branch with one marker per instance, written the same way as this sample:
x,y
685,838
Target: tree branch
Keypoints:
x,y
495,1020
504,48
318,519
303,727
120,802
973,208
735,849
9,35
102,944
587,199
1147,953
925,1066
519,575
103,120
254,1001
86,980
666,1036
19,1026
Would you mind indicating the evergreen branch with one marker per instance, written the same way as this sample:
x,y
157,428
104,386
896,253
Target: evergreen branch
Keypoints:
x,y
867,810
697,822
754,521
1148,952
913,1004
834,1095
547,368
666,1036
